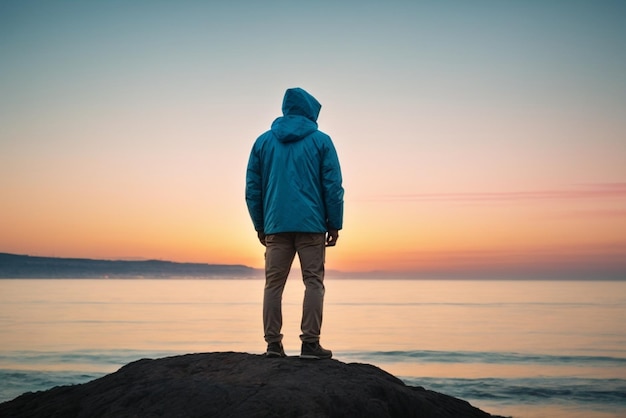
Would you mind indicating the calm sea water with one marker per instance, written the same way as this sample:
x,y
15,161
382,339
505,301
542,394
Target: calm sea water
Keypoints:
x,y
515,348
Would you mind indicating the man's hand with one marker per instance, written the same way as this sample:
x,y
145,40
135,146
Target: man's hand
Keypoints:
x,y
332,237
261,236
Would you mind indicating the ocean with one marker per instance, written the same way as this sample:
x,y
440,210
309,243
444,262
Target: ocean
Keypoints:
x,y
524,349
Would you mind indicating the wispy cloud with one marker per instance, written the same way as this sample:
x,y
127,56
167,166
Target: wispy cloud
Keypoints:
x,y
586,191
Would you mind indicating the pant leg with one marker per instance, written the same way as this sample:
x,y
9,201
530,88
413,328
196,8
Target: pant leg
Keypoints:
x,y
279,254
311,250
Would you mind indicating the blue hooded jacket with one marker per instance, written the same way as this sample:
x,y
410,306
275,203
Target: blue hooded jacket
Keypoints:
x,y
293,180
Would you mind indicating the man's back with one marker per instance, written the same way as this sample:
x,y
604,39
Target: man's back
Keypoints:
x,y
294,178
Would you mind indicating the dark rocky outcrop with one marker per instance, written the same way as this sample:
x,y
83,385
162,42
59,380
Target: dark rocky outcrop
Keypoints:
x,y
240,385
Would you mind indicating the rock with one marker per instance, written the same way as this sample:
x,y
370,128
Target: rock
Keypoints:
x,y
240,385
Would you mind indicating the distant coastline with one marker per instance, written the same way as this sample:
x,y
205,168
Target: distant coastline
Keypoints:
x,y
14,266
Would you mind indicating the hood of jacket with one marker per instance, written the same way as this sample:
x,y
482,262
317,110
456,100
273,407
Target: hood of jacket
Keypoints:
x,y
300,112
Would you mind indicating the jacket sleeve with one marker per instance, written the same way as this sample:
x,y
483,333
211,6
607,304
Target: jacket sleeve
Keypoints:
x,y
333,190
254,190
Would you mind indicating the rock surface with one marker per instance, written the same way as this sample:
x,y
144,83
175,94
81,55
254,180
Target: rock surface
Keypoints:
x,y
240,385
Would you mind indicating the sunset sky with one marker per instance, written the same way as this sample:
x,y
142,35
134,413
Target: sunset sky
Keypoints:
x,y
477,138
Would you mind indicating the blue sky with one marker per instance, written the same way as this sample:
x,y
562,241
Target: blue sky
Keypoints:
x,y
125,126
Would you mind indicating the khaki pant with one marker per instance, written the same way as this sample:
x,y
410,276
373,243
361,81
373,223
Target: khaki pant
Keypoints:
x,y
280,252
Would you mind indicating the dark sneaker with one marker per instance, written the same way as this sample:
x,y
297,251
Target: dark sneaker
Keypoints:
x,y
275,350
314,351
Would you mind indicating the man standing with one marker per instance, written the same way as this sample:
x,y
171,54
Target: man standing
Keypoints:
x,y
295,199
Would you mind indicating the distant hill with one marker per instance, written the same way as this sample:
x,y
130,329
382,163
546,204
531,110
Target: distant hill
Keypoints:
x,y
14,266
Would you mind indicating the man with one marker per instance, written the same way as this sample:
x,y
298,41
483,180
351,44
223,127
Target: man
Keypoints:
x,y
295,199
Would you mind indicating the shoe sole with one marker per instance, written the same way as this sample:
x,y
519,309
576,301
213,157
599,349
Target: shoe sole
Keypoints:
x,y
274,354
314,357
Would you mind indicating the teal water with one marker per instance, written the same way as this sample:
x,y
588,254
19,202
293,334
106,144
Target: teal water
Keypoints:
x,y
523,349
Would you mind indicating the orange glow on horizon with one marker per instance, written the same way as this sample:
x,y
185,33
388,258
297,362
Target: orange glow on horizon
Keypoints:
x,y
414,236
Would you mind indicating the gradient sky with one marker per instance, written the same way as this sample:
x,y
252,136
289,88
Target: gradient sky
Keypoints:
x,y
476,138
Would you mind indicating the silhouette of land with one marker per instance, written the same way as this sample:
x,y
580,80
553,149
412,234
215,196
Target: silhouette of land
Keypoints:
x,y
14,266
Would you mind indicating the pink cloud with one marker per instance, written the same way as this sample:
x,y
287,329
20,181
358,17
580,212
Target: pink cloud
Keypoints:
x,y
589,191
